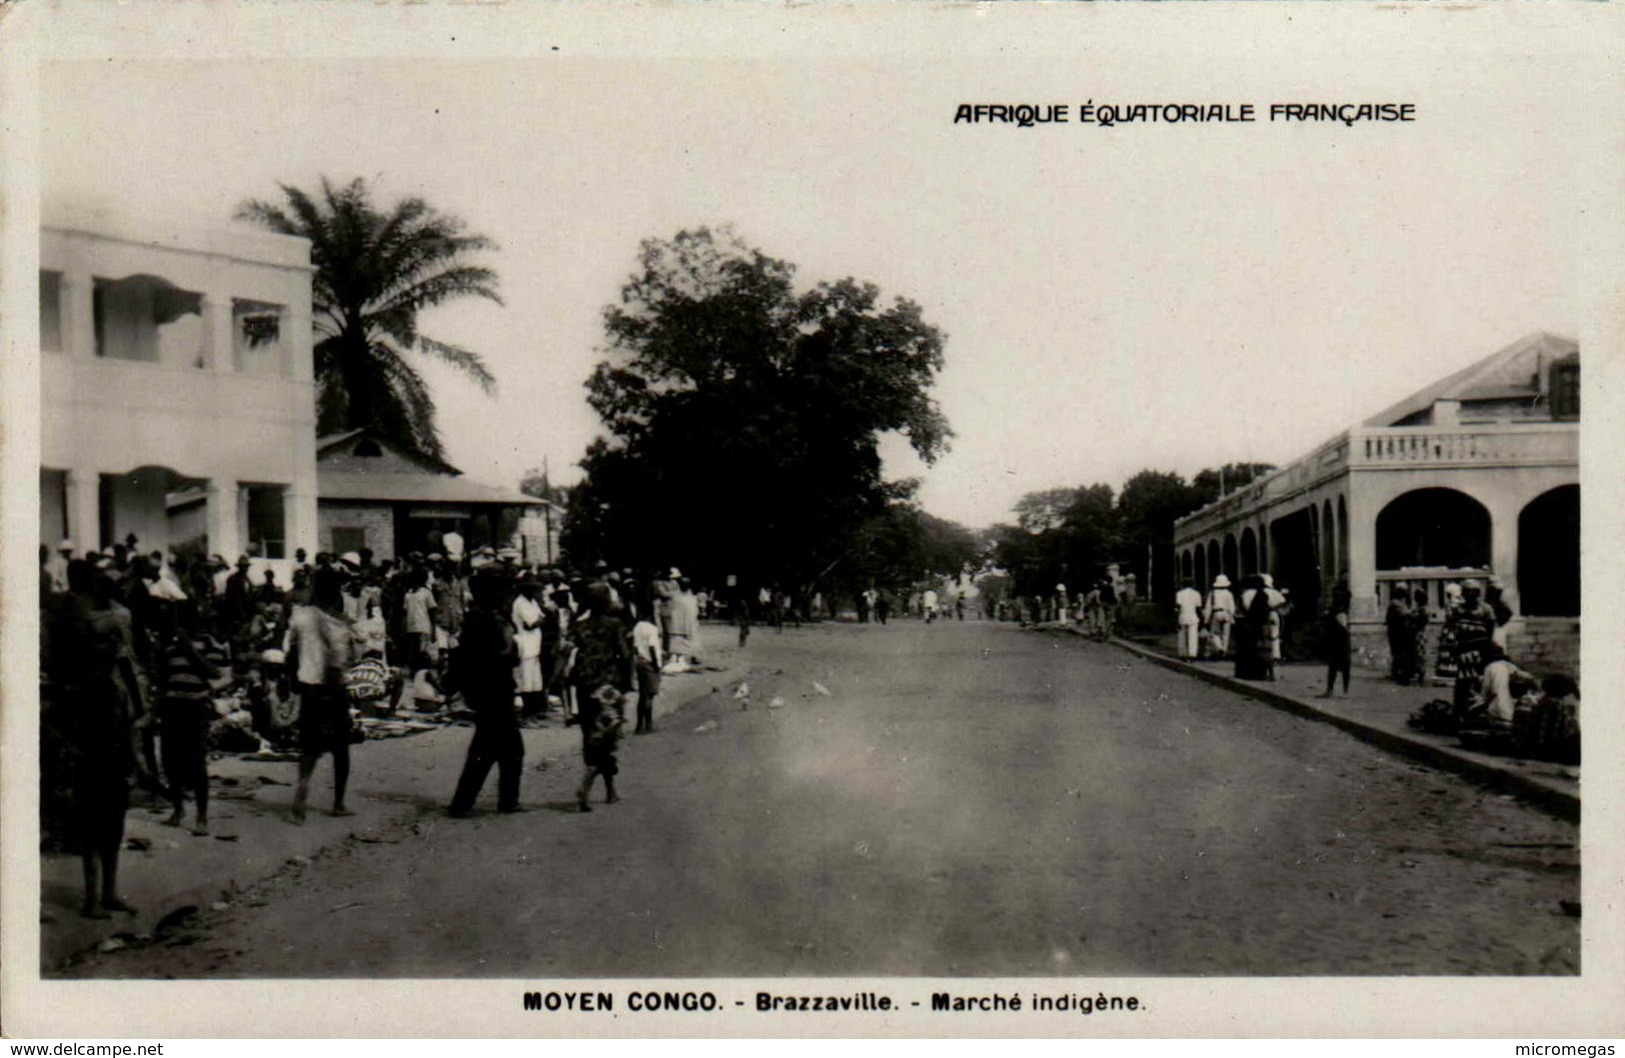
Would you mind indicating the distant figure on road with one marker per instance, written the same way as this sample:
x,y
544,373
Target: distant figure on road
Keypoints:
x,y
959,607
928,603
1188,605
1107,610
882,606
739,608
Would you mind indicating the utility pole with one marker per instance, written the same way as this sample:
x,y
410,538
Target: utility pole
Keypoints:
x,y
547,511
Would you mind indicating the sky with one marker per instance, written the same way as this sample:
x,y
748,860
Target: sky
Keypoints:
x,y
1164,297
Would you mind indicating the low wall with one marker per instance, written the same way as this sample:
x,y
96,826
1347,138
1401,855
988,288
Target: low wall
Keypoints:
x,y
1542,645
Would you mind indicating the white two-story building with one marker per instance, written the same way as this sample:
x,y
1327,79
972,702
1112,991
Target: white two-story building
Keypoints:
x,y
1477,475
177,400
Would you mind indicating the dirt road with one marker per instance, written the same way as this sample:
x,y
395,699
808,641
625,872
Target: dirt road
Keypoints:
x,y
967,799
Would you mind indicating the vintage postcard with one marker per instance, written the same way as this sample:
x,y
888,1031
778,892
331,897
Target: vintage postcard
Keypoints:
x,y
855,519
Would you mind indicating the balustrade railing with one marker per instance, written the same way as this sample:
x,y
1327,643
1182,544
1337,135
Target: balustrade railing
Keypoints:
x,y
1532,444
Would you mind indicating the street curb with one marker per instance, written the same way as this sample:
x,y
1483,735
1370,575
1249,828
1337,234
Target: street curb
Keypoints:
x,y
1559,803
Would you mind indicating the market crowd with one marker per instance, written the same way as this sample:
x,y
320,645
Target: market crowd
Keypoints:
x,y
151,661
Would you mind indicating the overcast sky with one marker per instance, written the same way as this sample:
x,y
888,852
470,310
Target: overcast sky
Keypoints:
x,y
1115,299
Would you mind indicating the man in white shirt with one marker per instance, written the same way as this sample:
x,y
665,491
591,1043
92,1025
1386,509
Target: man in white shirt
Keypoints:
x,y
1495,688
928,603
322,646
1220,612
649,660
1188,603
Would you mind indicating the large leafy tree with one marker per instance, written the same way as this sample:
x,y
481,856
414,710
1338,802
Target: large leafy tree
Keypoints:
x,y
743,415
1070,534
1064,535
376,269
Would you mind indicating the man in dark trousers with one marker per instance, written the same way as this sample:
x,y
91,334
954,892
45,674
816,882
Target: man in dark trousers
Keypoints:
x,y
483,670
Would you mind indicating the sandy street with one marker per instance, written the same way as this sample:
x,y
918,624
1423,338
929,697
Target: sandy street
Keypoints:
x,y
967,799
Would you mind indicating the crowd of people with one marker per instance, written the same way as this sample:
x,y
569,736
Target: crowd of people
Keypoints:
x,y
151,660
1494,703
1097,611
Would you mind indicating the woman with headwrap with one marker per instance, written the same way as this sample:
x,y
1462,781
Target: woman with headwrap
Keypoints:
x,y
1253,652
1400,622
600,669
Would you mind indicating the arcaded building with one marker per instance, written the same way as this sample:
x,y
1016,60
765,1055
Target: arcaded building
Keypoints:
x,y
1477,475
177,400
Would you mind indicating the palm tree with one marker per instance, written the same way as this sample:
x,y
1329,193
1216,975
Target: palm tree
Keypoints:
x,y
375,271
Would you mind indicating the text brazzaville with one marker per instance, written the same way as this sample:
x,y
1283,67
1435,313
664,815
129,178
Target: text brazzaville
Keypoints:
x,y
1031,115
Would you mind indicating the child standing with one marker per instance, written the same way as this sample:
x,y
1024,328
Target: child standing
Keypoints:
x,y
184,714
648,659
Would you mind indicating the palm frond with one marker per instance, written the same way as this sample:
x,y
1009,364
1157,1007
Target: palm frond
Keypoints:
x,y
464,360
376,269
455,282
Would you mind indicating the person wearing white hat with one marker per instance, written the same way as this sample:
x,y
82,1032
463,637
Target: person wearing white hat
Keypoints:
x,y
1277,601
1219,613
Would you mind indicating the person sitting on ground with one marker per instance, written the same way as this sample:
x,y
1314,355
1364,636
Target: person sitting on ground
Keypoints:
x,y
1499,689
1546,723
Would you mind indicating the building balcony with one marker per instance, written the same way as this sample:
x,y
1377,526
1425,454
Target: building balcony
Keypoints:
x,y
1521,445
1391,448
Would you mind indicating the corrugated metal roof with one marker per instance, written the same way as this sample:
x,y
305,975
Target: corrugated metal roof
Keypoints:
x,y
413,488
1452,387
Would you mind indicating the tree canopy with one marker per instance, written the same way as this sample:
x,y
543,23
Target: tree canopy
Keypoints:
x,y
743,415
376,269
1069,535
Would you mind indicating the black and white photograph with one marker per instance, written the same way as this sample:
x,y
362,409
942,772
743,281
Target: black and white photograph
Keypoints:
x,y
701,517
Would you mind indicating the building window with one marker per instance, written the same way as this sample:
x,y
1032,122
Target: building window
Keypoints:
x,y
267,525
1564,385
149,319
257,338
50,311
349,538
